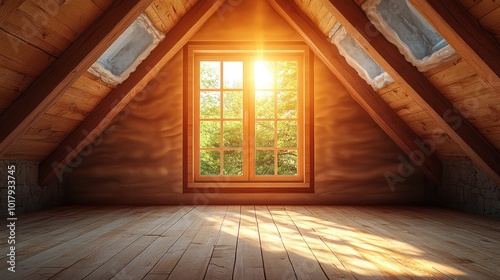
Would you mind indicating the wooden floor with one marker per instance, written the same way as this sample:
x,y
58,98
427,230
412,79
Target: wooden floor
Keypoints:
x,y
254,242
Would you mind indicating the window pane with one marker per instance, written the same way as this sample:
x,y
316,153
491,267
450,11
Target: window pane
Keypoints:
x,y
209,74
209,134
287,105
264,162
233,163
287,162
209,105
287,134
264,104
264,134
287,75
209,163
233,134
233,74
264,74
233,105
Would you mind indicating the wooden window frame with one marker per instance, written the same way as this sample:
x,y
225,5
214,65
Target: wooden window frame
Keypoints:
x,y
220,51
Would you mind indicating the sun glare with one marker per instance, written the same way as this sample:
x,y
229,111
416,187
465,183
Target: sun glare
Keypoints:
x,y
264,74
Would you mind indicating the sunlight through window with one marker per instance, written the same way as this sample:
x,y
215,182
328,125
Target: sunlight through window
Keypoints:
x,y
249,128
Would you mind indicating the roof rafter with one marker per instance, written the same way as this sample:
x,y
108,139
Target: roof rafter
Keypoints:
x,y
417,86
61,74
114,102
361,92
461,30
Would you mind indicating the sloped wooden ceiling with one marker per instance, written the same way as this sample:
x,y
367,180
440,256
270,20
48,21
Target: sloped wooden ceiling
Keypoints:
x,y
35,35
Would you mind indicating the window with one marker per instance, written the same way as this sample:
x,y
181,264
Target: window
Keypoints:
x,y
129,50
359,59
248,118
408,30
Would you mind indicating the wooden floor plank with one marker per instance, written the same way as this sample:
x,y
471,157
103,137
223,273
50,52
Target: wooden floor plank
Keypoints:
x,y
122,236
305,264
147,259
45,258
277,263
404,254
172,256
249,263
221,264
254,242
194,262
422,248
338,237
307,226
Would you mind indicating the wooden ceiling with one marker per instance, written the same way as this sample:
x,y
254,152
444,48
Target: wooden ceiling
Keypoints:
x,y
51,107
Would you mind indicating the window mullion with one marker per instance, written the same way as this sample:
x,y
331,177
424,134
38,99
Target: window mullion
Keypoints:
x,y
275,89
221,120
249,92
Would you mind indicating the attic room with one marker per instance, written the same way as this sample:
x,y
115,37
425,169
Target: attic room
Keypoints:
x,y
250,139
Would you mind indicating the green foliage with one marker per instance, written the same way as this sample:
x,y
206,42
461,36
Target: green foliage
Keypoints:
x,y
233,163
209,162
287,104
287,162
210,134
209,105
287,75
233,104
229,122
209,74
264,162
287,134
233,134
264,104
264,134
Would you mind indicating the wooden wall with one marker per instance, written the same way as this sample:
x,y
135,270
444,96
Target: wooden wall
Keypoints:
x,y
487,13
139,159
35,35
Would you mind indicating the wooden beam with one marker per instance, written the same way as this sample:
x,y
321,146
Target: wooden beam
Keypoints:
x,y
361,92
59,76
461,30
7,7
114,102
417,86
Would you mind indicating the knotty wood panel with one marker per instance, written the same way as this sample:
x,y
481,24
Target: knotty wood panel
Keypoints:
x,y
42,138
230,242
318,13
61,74
166,14
478,148
51,25
458,82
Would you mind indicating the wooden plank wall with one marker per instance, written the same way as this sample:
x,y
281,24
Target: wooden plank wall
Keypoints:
x,y
487,13
456,80
142,156
41,33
